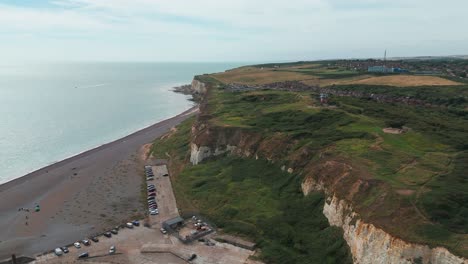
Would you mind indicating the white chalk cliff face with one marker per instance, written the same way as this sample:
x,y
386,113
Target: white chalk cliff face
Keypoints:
x,y
198,154
198,87
368,244
372,245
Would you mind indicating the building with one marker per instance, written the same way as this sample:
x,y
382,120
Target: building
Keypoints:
x,y
399,70
323,98
384,69
380,69
173,223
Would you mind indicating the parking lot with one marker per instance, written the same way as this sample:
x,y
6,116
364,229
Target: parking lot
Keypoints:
x,y
148,244
164,196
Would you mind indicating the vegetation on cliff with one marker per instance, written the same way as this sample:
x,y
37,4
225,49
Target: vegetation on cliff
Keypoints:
x,y
255,199
412,185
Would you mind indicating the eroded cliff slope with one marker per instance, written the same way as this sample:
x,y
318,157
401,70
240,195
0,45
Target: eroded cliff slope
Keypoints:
x,y
382,221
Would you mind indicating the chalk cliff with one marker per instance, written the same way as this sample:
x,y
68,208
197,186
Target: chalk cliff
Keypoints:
x,y
368,243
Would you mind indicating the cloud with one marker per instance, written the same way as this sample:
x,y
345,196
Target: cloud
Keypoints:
x,y
234,30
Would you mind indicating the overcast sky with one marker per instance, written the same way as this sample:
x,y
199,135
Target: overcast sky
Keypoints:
x,y
234,30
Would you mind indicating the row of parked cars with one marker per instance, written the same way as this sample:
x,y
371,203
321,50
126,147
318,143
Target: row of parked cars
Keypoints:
x,y
86,242
151,188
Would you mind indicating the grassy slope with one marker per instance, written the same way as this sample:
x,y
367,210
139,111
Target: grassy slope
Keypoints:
x,y
423,171
254,199
414,165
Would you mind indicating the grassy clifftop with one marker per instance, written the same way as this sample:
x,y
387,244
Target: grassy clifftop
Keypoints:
x,y
254,199
413,185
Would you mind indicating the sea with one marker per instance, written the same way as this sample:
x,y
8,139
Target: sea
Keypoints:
x,y
52,111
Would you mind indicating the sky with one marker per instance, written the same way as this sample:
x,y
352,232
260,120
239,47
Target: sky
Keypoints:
x,y
234,30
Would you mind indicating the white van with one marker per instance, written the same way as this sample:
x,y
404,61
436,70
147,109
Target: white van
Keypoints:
x,y
58,252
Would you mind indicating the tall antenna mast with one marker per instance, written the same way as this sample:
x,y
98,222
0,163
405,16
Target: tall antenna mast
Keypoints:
x,y
385,58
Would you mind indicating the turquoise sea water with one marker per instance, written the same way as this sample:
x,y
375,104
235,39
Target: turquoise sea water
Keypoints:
x,y
49,112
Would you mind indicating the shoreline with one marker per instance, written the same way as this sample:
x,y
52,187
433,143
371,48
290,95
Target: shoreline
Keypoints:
x,y
111,140
6,185
80,195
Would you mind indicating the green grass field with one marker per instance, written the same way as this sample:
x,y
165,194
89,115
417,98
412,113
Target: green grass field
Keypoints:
x,y
418,178
256,200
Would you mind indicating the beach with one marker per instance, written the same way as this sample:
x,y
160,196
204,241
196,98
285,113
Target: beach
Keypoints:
x,y
79,196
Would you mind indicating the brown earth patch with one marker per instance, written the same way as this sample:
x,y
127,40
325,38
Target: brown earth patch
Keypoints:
x,y
145,152
390,130
405,192
258,76
378,142
404,81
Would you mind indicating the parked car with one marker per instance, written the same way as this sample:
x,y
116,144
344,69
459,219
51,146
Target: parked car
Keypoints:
x,y
83,255
58,252
136,223
163,230
114,231
154,211
86,242
64,249
129,225
165,175
152,194
107,234
77,244
95,239
112,250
